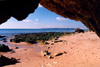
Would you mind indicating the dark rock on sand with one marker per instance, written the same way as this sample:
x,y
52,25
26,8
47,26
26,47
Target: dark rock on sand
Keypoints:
x,y
45,53
58,54
4,40
16,47
79,30
7,61
4,48
1,36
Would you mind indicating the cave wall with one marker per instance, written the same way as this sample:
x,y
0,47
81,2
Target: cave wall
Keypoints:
x,y
18,9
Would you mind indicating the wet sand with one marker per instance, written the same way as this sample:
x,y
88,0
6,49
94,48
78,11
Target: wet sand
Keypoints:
x,y
82,50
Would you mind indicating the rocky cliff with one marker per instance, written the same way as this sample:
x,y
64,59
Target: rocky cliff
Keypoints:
x,y
86,11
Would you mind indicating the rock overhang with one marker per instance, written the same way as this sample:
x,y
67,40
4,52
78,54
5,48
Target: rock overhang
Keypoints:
x,y
86,11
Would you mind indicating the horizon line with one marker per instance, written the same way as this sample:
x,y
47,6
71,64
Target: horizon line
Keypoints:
x,y
42,28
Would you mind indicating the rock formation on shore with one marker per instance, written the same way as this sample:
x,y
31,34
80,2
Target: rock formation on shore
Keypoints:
x,y
86,11
7,61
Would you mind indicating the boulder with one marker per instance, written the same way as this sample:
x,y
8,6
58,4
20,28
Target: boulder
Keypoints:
x,y
4,40
1,36
79,30
4,48
45,53
56,38
7,61
16,47
58,54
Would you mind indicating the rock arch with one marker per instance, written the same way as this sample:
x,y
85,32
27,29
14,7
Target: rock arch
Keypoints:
x,y
86,11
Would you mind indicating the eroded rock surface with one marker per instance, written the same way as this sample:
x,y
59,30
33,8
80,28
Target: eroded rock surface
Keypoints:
x,y
86,11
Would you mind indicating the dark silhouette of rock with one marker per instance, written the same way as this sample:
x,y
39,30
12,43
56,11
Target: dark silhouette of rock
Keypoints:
x,y
4,40
16,47
7,61
18,9
79,30
4,48
1,36
86,11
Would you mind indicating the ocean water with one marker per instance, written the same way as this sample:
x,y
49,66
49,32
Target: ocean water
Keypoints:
x,y
9,33
24,31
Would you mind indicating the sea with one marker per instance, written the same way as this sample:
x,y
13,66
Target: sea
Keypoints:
x,y
10,33
25,31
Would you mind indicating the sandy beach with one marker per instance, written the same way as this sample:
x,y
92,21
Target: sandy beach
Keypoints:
x,y
81,50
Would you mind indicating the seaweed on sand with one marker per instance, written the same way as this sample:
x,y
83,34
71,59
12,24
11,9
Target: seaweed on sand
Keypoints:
x,y
37,37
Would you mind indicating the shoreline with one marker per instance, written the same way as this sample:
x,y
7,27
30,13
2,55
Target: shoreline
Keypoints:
x,y
81,50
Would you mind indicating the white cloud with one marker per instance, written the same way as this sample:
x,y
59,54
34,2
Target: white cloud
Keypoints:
x,y
27,20
40,5
36,19
59,18
35,23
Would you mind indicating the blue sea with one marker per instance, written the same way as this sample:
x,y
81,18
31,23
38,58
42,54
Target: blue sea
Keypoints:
x,y
9,33
24,31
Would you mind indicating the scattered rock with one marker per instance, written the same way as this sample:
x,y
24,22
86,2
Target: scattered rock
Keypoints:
x,y
48,56
7,61
58,54
79,30
12,52
55,41
65,52
16,47
4,48
45,53
48,47
25,49
46,43
5,41
51,43
56,38
1,36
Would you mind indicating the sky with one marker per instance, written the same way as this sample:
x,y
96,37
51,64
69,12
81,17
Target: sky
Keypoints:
x,y
42,18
